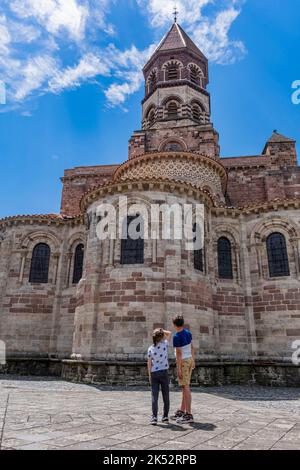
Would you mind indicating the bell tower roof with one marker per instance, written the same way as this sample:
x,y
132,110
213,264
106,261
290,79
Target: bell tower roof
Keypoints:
x,y
176,38
176,41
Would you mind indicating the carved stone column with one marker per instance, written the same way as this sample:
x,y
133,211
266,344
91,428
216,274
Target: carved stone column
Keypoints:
x,y
56,263
69,266
24,254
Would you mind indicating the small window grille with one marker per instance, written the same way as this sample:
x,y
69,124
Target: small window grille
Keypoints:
x,y
78,263
225,259
40,264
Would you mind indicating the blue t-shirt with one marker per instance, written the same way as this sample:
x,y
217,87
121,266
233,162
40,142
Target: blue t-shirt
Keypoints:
x,y
159,356
183,339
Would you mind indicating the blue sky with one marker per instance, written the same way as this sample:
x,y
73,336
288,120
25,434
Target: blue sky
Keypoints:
x,y
74,86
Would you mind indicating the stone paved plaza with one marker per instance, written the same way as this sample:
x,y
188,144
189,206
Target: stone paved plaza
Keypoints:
x,y
39,413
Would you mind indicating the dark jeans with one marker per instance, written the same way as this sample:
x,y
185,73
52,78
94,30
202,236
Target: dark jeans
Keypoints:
x,y
160,378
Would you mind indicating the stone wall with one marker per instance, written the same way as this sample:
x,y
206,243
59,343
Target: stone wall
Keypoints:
x,y
192,138
79,180
258,179
120,305
125,374
276,301
111,313
256,309
205,374
116,307
37,319
248,316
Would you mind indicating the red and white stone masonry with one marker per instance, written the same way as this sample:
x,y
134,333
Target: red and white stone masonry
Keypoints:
x,y
249,318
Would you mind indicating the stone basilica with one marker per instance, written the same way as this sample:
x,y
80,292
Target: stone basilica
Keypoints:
x,y
75,306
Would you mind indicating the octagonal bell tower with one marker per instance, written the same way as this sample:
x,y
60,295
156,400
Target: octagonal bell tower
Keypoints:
x,y
176,109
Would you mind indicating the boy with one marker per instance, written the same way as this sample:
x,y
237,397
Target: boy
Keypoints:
x,y
185,362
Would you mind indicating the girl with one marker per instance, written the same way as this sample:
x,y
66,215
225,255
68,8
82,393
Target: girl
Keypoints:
x,y
158,366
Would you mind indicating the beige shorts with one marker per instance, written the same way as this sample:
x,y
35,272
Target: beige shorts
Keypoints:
x,y
187,369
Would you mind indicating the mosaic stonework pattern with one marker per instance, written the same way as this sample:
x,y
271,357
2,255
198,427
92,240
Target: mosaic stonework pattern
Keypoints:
x,y
178,168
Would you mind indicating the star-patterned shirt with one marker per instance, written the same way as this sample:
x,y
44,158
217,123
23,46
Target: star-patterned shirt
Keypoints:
x,y
159,356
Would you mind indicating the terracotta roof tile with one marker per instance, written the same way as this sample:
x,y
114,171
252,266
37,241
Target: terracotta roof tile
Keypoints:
x,y
49,217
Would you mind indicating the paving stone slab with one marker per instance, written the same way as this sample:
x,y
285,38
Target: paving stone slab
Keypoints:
x,y
56,415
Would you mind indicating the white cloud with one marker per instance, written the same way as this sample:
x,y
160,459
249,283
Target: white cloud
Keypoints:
x,y
5,37
23,33
125,66
161,11
88,67
130,63
98,15
26,113
214,38
36,37
116,94
33,76
54,15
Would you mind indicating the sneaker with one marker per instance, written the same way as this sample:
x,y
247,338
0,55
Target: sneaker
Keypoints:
x,y
186,418
177,415
153,421
165,419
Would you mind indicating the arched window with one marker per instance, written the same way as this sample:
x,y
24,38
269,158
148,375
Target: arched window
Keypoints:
x,y
225,259
40,264
132,250
78,263
277,255
172,147
172,110
172,71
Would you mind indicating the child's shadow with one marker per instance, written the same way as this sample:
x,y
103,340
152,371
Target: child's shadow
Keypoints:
x,y
203,426
198,426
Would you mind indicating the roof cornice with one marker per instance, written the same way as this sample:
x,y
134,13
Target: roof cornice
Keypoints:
x,y
151,184
258,208
43,219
